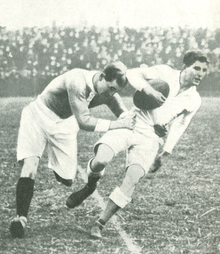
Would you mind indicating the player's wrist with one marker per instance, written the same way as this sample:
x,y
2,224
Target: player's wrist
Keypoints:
x,y
123,115
102,125
118,124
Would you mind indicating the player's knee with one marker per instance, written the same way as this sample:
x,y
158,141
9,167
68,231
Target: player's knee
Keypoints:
x,y
135,169
134,173
99,164
104,155
29,168
28,172
103,152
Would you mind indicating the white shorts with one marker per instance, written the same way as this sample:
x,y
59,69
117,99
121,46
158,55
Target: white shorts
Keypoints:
x,y
141,149
40,127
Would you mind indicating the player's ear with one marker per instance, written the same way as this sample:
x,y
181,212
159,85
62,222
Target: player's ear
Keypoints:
x,y
184,67
112,89
101,76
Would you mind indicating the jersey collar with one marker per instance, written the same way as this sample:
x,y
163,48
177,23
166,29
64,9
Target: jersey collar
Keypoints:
x,y
89,79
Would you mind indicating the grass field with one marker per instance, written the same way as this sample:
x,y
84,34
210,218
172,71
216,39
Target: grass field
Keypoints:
x,y
176,210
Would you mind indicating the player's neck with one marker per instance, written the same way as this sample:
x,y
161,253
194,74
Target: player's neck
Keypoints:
x,y
184,84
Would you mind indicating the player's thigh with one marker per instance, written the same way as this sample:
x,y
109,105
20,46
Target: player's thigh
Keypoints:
x,y
63,136
62,148
31,137
143,152
29,167
116,140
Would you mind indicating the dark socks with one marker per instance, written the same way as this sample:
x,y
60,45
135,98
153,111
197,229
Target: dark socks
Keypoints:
x,y
24,194
101,223
92,180
110,210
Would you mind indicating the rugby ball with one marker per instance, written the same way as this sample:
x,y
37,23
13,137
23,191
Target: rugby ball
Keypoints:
x,y
143,101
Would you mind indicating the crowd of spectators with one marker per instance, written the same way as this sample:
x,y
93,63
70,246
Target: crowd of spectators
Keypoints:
x,y
51,51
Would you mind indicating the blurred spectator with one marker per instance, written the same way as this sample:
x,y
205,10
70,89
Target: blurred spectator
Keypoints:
x,y
47,52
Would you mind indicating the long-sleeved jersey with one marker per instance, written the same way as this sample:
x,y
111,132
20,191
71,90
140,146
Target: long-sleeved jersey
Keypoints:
x,y
72,93
176,112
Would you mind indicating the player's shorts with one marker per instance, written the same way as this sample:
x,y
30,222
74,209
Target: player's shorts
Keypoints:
x,y
140,149
40,128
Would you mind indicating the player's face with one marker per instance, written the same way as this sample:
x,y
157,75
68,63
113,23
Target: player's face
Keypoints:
x,y
113,88
108,88
195,73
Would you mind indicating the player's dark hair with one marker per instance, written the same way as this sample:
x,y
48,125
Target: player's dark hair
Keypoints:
x,y
192,56
116,71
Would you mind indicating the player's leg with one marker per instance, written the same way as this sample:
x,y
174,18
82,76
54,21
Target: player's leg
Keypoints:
x,y
24,194
30,146
106,148
62,150
119,198
140,156
95,169
96,166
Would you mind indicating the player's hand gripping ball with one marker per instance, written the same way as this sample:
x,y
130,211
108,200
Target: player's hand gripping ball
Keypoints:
x,y
161,131
146,102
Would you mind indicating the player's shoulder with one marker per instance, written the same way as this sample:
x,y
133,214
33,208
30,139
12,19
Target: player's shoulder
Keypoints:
x,y
76,72
75,77
164,68
198,97
133,71
158,70
194,96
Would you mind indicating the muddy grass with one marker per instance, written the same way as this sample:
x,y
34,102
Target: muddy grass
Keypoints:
x,y
176,210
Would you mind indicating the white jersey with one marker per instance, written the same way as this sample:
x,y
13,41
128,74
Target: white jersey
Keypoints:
x,y
163,72
178,108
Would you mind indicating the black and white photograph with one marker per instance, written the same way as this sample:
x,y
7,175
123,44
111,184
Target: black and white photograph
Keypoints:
x,y
109,127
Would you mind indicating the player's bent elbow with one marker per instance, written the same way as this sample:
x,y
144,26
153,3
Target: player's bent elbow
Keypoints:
x,y
85,125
